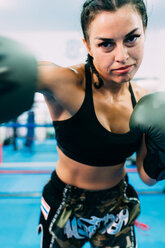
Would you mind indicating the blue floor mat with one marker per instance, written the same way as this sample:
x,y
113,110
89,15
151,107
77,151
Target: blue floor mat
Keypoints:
x,y
19,219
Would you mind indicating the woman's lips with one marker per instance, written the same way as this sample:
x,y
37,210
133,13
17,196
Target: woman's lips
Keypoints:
x,y
122,70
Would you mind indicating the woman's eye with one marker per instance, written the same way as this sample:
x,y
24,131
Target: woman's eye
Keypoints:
x,y
132,38
106,45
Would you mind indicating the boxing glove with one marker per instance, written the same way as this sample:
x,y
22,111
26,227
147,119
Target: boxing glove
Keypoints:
x,y
18,79
149,117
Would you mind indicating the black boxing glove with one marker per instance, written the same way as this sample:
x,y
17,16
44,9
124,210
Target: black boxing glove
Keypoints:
x,y
149,117
18,79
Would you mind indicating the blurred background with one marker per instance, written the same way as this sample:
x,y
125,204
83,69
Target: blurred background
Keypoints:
x,y
51,30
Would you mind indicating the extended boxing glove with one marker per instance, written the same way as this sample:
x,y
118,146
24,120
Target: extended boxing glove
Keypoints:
x,y
18,79
149,117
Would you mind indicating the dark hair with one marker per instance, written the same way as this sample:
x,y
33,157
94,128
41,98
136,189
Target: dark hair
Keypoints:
x,y
92,7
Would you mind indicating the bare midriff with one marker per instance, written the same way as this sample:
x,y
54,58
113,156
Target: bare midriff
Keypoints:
x,y
88,177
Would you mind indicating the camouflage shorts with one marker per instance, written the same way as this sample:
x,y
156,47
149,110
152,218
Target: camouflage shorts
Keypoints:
x,y
71,216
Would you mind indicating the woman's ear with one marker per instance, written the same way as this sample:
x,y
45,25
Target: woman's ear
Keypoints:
x,y
86,43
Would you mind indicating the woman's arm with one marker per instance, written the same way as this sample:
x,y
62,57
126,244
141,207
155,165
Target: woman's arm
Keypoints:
x,y
142,150
148,118
21,76
62,83
57,79
140,156
62,87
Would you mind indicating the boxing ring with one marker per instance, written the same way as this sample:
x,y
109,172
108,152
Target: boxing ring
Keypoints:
x,y
21,183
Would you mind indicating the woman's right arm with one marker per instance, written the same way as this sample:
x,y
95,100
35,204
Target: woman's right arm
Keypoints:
x,y
56,81
21,76
62,88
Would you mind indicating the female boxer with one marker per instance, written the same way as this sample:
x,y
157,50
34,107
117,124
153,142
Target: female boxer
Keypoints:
x,y
88,197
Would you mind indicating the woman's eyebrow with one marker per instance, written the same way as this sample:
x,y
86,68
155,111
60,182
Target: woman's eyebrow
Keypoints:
x,y
111,40
104,39
130,33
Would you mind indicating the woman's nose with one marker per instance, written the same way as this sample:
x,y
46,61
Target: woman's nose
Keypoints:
x,y
121,54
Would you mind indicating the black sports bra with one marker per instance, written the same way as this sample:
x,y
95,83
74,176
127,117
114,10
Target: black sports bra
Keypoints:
x,y
84,139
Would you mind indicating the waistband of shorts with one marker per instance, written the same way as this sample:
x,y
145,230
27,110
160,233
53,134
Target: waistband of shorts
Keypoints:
x,y
57,182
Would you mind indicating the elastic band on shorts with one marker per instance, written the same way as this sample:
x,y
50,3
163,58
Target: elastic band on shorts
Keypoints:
x,y
57,181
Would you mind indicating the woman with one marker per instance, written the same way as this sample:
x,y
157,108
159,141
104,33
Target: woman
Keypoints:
x,y
88,197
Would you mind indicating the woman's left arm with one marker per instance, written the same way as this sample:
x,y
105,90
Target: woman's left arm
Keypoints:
x,y
148,118
140,156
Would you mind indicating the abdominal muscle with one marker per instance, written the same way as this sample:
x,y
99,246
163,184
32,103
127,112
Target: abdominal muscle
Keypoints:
x,y
88,177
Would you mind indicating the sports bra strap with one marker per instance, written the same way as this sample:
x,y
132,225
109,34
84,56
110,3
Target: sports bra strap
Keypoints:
x,y
88,83
132,95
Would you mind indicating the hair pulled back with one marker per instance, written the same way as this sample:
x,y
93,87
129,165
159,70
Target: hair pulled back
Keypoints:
x,y
92,7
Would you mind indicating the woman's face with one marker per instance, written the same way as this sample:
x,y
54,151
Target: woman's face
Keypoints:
x,y
116,43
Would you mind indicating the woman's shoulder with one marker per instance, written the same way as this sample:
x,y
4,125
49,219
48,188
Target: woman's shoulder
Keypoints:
x,y
139,91
53,69
79,72
52,74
